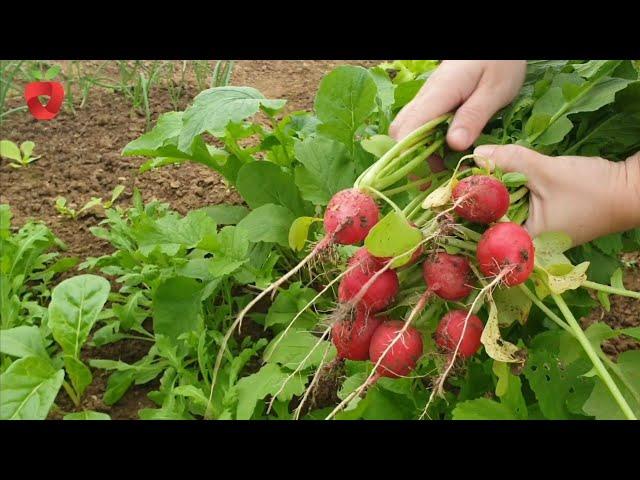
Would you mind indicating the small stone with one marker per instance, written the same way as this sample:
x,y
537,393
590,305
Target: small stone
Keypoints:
x,y
175,184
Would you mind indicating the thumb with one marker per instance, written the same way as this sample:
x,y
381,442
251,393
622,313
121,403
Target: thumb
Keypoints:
x,y
510,158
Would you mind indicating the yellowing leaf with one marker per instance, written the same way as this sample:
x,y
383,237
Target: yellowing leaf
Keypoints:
x,y
563,277
439,197
495,346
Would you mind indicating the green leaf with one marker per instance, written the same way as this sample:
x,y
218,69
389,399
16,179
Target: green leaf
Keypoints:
x,y
232,252
267,381
610,244
27,148
117,385
603,93
168,127
29,387
378,145
293,350
74,309
288,303
554,382
79,374
213,109
299,232
602,405
22,342
226,214
509,390
261,183
86,415
326,169
268,223
482,409
170,232
10,150
392,236
177,307
5,221
345,98
513,305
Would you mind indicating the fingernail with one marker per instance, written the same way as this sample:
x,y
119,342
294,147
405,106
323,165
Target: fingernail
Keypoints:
x,y
483,155
459,136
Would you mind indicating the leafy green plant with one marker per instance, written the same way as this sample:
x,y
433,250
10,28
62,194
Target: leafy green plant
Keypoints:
x,y
19,157
62,208
31,383
344,143
26,269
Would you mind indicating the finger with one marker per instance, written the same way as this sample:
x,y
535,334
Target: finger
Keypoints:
x,y
442,93
513,158
473,115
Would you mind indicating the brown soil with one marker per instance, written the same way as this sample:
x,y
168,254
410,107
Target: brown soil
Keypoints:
x,y
81,159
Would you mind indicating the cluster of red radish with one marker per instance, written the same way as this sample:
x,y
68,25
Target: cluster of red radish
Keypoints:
x,y
504,249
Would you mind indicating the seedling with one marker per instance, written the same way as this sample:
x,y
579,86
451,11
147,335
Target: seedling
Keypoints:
x,y
19,157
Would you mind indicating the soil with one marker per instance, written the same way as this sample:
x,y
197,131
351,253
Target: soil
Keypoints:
x,y
81,159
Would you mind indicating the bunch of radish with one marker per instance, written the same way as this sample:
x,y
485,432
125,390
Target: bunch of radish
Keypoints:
x,y
362,327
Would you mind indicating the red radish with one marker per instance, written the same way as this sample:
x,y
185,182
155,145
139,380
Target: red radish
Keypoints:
x,y
349,216
484,199
352,338
506,247
366,261
450,329
403,356
379,294
448,276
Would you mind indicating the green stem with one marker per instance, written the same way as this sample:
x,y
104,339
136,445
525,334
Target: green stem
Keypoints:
x,y
518,194
408,186
609,289
72,394
384,197
595,359
456,242
536,301
467,232
400,158
402,172
369,175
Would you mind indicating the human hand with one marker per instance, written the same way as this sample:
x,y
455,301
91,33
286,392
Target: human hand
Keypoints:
x,y
584,197
478,87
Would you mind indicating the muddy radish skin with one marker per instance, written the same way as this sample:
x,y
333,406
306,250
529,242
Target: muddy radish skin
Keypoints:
x,y
352,338
402,358
450,329
349,216
381,292
448,276
484,199
506,247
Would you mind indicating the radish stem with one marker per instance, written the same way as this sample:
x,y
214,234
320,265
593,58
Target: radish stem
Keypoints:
x,y
609,289
603,373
